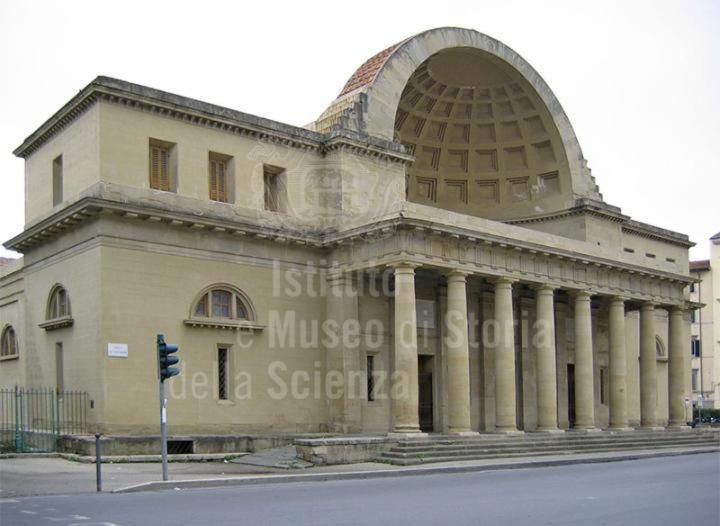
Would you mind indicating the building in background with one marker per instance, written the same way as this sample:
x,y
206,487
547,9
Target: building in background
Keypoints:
x,y
705,328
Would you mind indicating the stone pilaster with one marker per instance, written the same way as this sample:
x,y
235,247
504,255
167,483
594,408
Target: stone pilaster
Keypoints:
x,y
648,366
405,375
344,410
458,356
618,364
676,358
584,370
505,397
546,368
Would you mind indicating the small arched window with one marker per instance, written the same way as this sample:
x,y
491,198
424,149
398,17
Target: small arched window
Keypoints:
x,y
9,346
222,305
58,313
659,347
59,303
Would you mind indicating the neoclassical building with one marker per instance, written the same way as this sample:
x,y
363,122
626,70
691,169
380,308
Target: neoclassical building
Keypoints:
x,y
431,254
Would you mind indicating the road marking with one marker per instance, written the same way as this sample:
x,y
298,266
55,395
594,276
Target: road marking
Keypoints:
x,y
28,512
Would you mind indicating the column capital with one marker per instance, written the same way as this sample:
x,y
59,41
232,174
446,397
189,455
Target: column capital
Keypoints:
x,y
677,309
580,295
457,275
339,275
617,298
543,288
502,280
648,305
404,267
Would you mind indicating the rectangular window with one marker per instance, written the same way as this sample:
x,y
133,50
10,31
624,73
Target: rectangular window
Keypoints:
x,y
57,184
695,378
695,346
222,373
370,378
692,287
692,315
425,313
274,188
220,177
162,168
603,385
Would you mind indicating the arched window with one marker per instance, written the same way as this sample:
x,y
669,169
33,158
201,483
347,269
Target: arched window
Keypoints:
x,y
59,303
223,305
9,347
58,313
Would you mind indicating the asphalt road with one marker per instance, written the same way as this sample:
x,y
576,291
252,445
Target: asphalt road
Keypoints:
x,y
659,491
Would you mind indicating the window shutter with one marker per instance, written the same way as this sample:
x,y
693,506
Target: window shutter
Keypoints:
x,y
213,180
221,182
164,170
159,168
155,167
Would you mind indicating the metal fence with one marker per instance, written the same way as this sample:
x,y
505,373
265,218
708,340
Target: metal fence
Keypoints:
x,y
31,420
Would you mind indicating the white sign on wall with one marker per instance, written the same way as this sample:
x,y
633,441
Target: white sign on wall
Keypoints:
x,y
118,350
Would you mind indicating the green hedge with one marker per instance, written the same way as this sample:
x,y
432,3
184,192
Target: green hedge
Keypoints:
x,y
707,413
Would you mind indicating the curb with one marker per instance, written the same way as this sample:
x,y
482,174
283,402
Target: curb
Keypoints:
x,y
399,472
130,459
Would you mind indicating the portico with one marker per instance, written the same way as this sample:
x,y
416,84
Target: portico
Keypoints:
x,y
499,350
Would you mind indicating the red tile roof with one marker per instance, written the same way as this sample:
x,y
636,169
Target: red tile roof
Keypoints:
x,y
703,264
366,73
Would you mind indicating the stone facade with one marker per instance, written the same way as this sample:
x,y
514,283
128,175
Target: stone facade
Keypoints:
x,y
437,227
705,328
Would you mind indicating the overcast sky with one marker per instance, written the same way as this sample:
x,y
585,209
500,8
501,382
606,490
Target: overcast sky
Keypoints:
x,y
640,80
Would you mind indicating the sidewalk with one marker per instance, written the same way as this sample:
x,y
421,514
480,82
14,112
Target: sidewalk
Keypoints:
x,y
44,476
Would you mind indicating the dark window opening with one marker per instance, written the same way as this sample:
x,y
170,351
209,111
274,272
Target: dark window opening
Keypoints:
x,y
222,373
180,447
57,184
371,378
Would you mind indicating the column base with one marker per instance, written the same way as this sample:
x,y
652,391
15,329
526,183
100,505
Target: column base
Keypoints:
x,y
509,431
467,433
407,434
621,429
586,429
651,428
679,425
550,430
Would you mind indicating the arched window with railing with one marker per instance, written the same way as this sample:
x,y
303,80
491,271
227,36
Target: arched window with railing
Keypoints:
x,y
58,312
8,344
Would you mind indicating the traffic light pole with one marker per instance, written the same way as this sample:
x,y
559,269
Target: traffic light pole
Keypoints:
x,y
165,371
163,430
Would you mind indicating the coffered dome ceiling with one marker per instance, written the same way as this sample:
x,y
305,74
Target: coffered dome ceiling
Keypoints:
x,y
484,142
488,135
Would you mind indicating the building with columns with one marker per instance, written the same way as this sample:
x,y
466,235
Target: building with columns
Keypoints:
x,y
432,254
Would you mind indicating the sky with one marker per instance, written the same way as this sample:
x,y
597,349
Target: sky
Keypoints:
x,y
639,80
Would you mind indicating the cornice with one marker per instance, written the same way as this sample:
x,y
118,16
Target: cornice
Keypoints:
x,y
200,113
88,208
612,214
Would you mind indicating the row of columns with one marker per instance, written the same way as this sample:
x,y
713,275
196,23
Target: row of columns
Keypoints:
x,y
458,359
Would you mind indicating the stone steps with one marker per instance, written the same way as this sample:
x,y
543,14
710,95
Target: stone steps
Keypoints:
x,y
551,442
450,450
441,448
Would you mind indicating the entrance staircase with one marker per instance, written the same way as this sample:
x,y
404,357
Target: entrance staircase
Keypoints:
x,y
448,448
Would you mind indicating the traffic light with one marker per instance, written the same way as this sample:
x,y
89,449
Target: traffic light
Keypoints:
x,y
165,361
